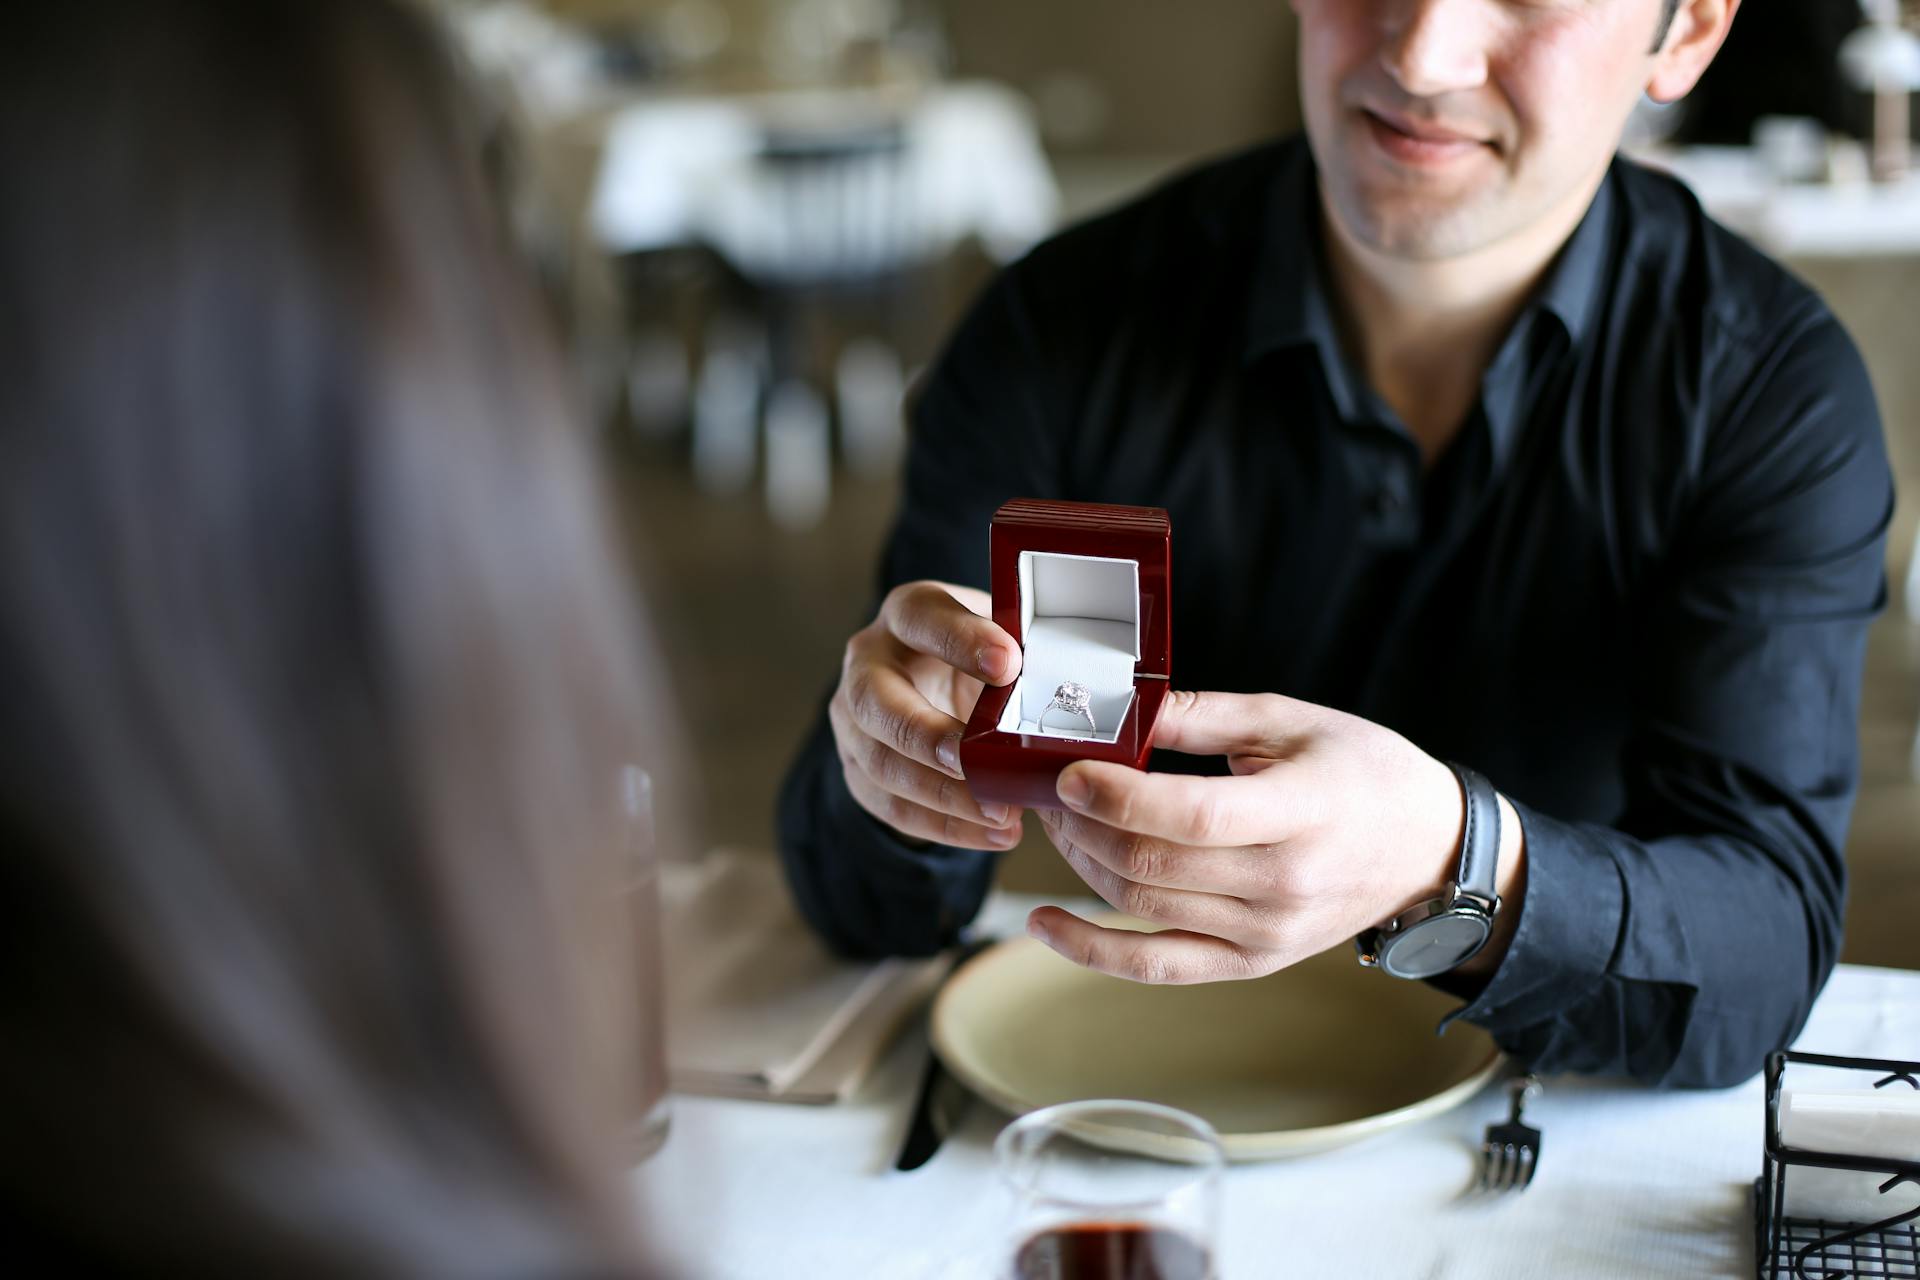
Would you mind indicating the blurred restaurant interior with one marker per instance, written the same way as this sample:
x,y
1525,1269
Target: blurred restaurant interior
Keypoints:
x,y
338,951
759,218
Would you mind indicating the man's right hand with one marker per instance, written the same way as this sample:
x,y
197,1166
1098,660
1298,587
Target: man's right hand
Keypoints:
x,y
907,686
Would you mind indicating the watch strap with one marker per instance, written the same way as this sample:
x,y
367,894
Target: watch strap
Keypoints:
x,y
1480,841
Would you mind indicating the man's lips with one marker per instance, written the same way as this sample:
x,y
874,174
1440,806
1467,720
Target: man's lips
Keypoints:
x,y
1419,141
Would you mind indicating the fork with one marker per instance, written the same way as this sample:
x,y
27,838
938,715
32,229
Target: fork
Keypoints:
x,y
1511,1153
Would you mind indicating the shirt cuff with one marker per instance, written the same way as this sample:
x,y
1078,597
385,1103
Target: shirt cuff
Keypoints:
x,y
1570,918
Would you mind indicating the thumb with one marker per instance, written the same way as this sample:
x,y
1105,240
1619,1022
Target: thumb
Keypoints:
x,y
1230,724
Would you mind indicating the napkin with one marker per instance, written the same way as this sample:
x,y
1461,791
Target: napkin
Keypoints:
x,y
757,1007
1852,1122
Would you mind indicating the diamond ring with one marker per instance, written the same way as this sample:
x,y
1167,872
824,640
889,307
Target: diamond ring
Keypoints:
x,y
1072,698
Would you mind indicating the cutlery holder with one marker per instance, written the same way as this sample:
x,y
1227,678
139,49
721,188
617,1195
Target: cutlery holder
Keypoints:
x,y
1812,1207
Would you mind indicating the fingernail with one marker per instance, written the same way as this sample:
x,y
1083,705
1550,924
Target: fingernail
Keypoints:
x,y
1008,838
948,753
1037,930
997,814
1073,790
992,662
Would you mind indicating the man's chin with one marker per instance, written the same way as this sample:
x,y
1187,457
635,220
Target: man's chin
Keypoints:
x,y
1422,228
1424,241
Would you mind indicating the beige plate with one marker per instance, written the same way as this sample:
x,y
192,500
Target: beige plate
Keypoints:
x,y
1311,1058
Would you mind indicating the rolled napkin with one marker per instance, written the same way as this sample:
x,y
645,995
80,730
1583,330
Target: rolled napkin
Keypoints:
x,y
756,1005
1871,1123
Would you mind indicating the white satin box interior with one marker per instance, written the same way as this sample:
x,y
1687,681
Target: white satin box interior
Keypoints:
x,y
1081,619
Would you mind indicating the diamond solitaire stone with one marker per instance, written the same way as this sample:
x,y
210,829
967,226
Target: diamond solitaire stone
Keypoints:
x,y
1072,696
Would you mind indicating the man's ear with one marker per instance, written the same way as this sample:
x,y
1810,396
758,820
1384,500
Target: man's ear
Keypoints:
x,y
1698,30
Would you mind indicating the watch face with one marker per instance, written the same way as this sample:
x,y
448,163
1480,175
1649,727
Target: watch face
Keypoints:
x,y
1436,945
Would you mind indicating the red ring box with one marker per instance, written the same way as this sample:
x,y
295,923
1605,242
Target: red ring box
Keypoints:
x,y
1085,588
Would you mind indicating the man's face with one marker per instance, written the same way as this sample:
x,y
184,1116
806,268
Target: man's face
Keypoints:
x,y
1445,126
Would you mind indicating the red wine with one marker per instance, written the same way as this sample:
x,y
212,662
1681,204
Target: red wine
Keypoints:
x,y
1112,1251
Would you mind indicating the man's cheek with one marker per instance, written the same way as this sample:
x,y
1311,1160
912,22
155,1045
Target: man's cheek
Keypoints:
x,y
1335,36
1578,78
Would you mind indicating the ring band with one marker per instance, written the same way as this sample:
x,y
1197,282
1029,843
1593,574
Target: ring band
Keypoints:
x,y
1074,699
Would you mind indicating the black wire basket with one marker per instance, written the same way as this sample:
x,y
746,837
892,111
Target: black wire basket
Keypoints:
x,y
1816,1249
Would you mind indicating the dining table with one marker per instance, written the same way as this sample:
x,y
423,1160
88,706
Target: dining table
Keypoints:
x,y
1633,1181
682,168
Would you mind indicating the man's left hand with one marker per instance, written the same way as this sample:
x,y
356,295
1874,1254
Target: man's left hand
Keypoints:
x,y
1329,825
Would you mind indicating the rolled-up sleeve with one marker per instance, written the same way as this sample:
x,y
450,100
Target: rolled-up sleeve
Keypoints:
x,y
1683,943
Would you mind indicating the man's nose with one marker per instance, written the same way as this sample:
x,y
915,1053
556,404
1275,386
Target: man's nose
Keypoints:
x,y
1434,47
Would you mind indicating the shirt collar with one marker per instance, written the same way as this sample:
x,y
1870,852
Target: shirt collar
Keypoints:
x,y
1288,305
1571,291
1570,294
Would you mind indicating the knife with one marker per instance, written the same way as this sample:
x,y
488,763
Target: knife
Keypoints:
x,y
942,1100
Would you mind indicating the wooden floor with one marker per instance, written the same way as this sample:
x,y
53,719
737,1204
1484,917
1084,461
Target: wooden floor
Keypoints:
x,y
753,620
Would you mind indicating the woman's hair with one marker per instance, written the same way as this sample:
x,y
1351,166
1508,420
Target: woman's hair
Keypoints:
x,y
316,671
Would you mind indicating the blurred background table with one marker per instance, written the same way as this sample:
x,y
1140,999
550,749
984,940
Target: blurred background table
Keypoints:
x,y
824,210
1632,1182
966,161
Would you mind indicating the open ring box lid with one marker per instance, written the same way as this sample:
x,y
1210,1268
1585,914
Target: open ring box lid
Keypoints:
x,y
1084,588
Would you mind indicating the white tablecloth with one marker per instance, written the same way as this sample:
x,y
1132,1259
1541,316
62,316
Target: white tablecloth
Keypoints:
x,y
680,170
1632,1182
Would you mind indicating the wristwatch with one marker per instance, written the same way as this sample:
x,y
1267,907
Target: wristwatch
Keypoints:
x,y
1444,933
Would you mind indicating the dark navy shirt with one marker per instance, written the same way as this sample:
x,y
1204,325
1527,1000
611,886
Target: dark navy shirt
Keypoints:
x,y
1634,592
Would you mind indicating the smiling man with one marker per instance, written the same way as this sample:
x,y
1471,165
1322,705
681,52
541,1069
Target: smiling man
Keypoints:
x,y
1527,527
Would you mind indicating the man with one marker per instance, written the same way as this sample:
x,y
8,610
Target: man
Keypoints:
x,y
1481,446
